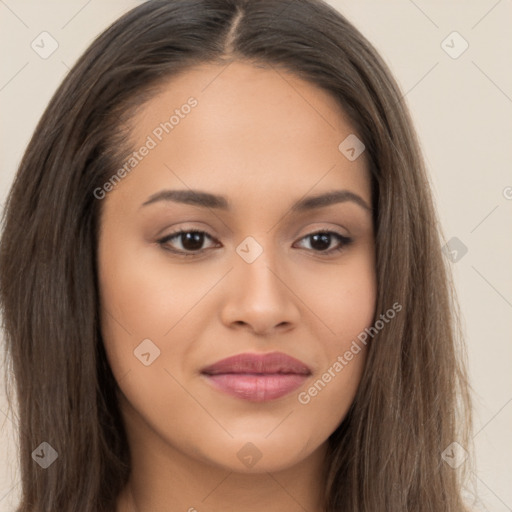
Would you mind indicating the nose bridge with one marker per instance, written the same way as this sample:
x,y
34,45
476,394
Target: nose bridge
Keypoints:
x,y
258,296
256,266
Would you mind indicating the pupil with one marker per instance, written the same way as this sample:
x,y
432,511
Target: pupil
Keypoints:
x,y
192,241
323,239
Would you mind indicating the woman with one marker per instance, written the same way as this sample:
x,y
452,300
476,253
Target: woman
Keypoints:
x,y
221,276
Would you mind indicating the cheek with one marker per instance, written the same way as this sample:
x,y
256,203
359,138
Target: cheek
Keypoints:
x,y
144,298
348,309
343,298
139,306
144,293
324,403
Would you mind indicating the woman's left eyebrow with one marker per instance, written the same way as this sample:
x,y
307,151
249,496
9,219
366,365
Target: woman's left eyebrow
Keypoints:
x,y
208,200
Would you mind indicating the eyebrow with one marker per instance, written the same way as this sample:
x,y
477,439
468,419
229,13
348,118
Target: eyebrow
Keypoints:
x,y
207,200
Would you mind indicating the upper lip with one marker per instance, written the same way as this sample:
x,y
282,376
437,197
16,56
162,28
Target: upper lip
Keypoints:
x,y
275,362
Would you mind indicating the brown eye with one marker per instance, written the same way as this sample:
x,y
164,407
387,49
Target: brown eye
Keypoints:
x,y
320,241
190,241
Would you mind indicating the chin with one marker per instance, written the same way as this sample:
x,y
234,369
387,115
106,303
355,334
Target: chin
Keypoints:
x,y
257,455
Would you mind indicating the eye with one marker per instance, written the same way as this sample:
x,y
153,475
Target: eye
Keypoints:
x,y
320,241
192,241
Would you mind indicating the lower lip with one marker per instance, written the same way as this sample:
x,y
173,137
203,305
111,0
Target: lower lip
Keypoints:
x,y
257,387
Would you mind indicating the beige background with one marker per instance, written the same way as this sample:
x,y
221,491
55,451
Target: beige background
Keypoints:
x,y
463,112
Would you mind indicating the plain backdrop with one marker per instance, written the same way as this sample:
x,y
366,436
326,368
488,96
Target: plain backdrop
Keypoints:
x,y
461,103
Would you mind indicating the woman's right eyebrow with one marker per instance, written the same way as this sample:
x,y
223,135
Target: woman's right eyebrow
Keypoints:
x,y
209,200
194,197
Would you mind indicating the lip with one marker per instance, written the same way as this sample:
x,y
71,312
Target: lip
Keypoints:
x,y
257,377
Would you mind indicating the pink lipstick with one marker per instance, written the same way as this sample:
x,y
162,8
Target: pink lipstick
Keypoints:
x,y
257,377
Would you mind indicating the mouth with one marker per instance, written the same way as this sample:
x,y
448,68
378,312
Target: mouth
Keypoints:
x,y
257,377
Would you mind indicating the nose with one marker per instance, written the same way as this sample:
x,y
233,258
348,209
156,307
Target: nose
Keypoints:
x,y
260,297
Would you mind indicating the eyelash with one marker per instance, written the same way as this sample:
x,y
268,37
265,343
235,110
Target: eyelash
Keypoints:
x,y
345,241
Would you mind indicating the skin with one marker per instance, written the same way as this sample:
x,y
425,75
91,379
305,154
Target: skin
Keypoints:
x,y
264,139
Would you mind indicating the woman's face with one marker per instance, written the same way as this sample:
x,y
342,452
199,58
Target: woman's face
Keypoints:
x,y
247,148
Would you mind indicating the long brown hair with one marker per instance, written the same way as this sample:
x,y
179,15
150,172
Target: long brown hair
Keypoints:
x,y
413,400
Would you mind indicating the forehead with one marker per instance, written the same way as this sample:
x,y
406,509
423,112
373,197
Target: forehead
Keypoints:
x,y
251,130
